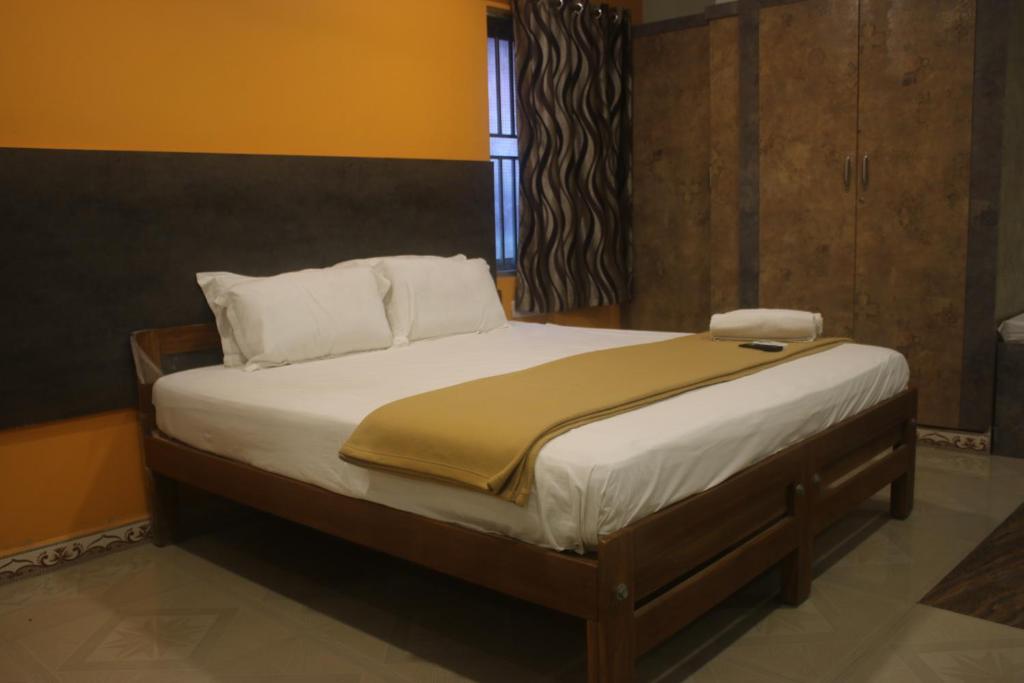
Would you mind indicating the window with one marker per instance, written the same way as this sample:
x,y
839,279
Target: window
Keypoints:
x,y
501,93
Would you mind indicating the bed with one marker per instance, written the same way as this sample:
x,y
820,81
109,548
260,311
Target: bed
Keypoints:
x,y
638,524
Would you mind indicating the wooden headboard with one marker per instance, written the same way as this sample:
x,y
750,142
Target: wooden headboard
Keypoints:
x,y
98,244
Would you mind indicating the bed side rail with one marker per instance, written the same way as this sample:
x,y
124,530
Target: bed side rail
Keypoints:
x,y
683,537
850,467
691,555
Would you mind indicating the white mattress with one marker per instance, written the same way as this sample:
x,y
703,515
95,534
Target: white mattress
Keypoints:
x,y
589,482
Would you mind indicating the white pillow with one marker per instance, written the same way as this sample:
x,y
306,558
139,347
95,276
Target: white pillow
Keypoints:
x,y
214,285
438,297
305,315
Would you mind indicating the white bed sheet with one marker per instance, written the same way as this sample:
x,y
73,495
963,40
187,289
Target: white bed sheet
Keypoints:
x,y
590,481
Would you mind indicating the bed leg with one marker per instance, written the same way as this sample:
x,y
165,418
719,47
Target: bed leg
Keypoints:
x,y
163,508
796,576
901,496
611,637
901,492
797,567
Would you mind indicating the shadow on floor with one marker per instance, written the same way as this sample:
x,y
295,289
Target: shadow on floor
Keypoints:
x,y
470,631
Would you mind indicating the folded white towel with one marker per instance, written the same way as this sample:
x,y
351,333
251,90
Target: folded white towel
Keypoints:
x,y
778,324
1012,330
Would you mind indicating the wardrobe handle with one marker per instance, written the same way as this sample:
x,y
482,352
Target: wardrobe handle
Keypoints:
x,y
847,171
865,173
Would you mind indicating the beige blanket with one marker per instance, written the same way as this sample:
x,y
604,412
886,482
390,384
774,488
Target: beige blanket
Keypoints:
x,y
486,434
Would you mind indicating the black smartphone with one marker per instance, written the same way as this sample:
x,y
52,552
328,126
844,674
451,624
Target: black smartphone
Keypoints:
x,y
763,346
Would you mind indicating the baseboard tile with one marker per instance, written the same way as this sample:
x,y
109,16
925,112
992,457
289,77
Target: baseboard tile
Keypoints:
x,y
36,560
973,442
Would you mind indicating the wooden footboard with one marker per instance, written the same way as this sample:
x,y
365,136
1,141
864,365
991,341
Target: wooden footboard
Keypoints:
x,y
676,564
646,581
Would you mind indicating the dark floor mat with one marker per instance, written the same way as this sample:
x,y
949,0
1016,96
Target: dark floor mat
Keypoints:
x,y
988,583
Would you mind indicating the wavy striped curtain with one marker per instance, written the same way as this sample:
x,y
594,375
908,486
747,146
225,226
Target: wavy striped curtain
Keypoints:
x,y
574,87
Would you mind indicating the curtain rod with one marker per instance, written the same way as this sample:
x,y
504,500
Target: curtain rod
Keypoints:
x,y
577,5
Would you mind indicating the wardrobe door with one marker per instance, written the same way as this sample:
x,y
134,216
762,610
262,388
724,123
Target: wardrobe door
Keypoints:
x,y
724,97
916,79
808,130
670,182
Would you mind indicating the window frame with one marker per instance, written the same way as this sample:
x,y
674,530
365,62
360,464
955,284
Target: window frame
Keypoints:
x,y
499,28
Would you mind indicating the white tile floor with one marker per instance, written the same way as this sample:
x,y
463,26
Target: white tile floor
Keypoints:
x,y
274,602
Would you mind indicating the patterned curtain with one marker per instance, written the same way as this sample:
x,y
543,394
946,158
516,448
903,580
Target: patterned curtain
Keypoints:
x,y
574,86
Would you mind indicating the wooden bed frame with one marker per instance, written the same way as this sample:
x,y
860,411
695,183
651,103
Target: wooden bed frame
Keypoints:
x,y
644,582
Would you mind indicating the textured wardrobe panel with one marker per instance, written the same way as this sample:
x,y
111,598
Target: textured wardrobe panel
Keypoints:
x,y
670,181
978,358
1010,283
724,96
916,83
808,107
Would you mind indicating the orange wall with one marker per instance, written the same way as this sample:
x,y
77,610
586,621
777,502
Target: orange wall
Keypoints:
x,y
324,77
330,77
69,478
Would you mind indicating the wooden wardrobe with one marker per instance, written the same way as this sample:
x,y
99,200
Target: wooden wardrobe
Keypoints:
x,y
841,156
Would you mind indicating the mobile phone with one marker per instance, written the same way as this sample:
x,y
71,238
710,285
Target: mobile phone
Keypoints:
x,y
763,346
